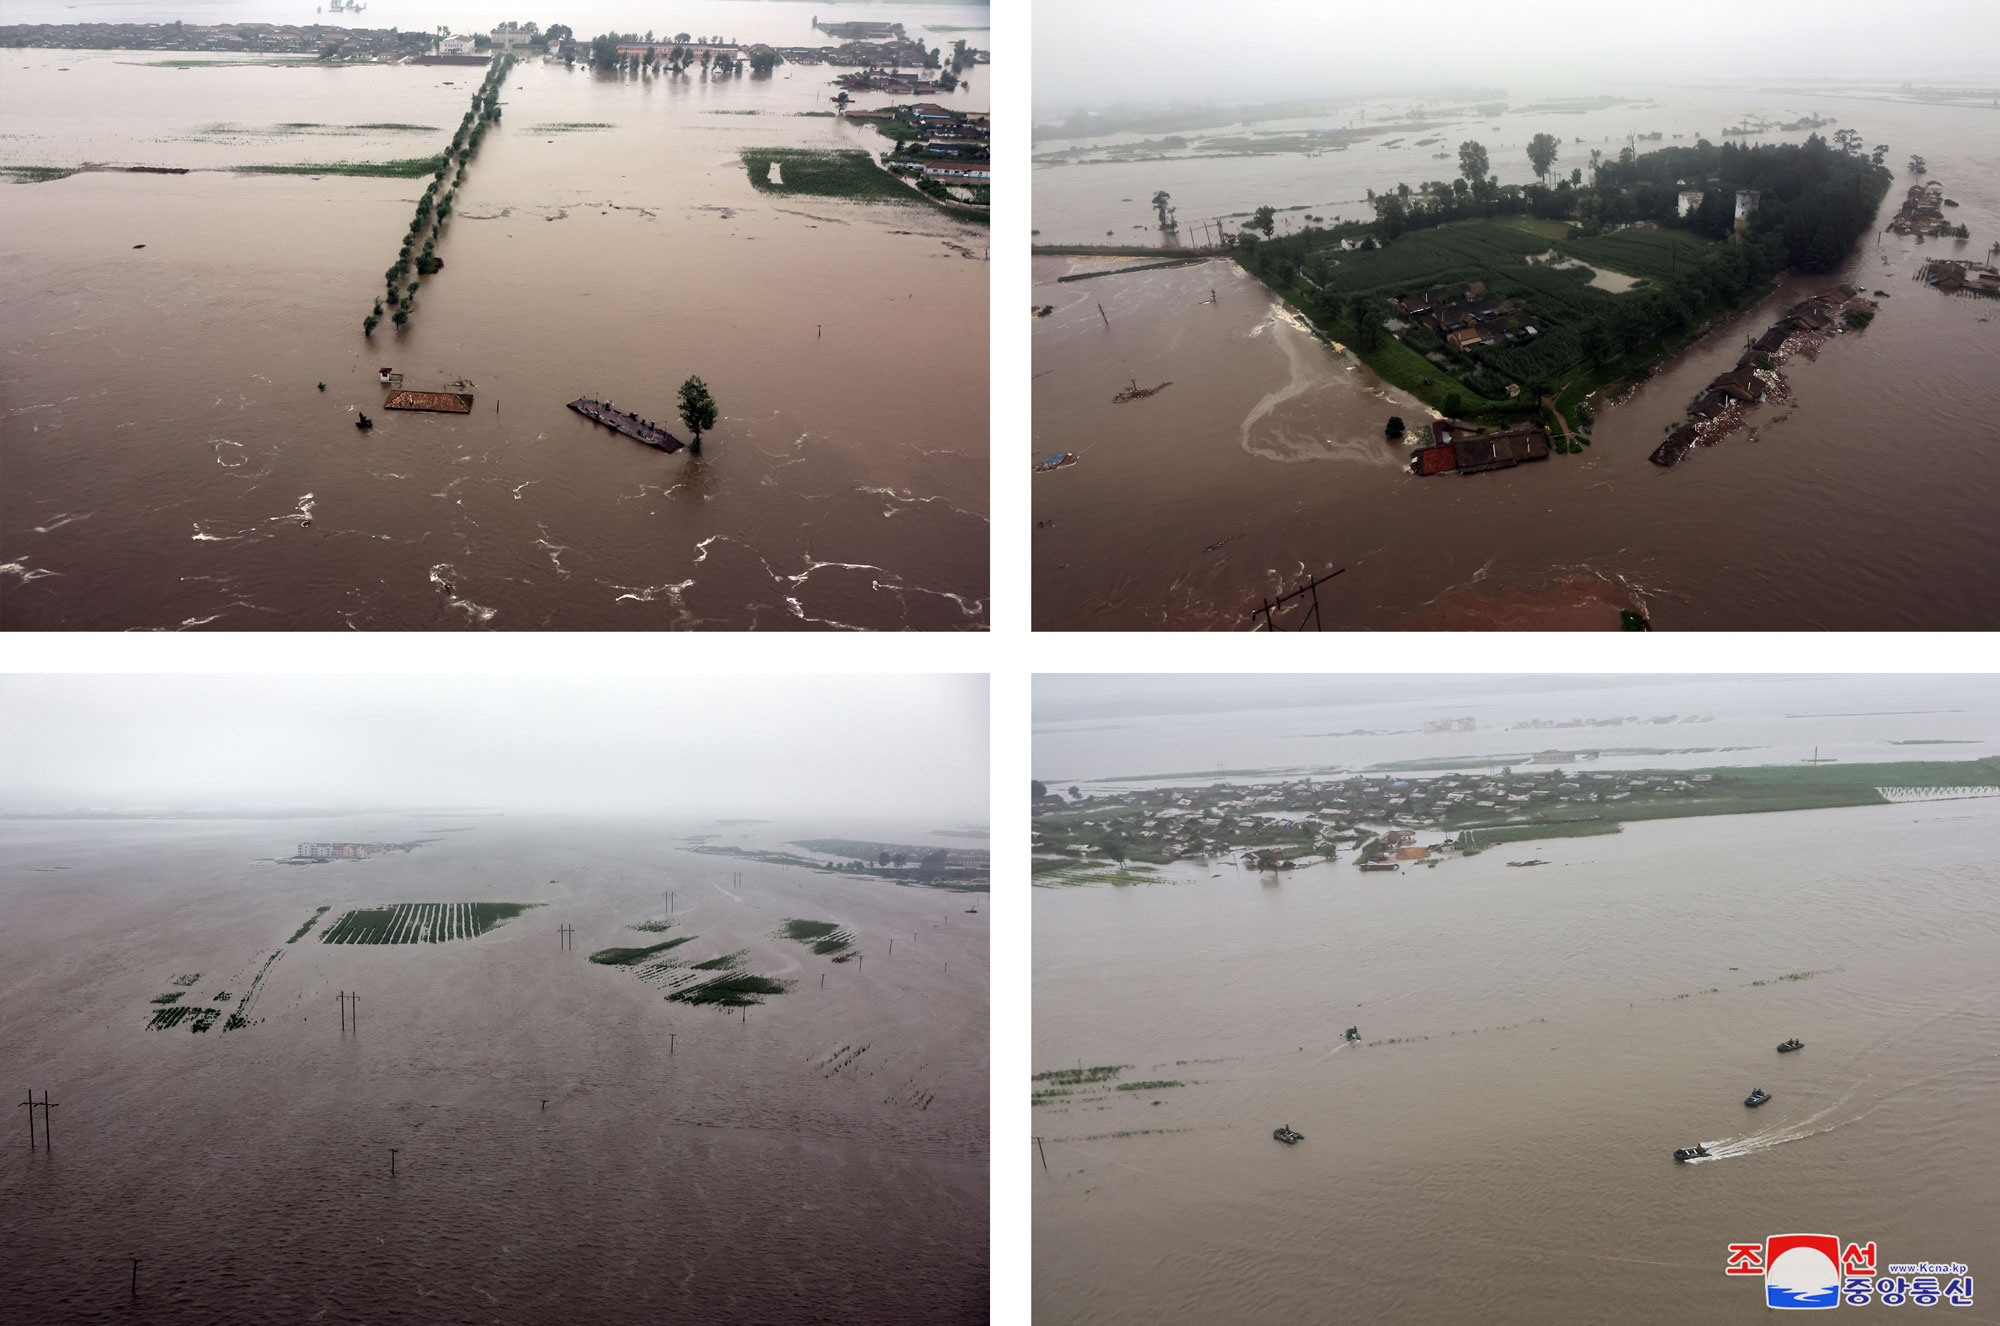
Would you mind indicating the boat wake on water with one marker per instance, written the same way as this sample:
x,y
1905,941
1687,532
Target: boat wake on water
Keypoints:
x,y
1841,1113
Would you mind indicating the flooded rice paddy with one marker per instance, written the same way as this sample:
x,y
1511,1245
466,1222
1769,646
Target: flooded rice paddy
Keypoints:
x,y
571,1145
172,463
1856,506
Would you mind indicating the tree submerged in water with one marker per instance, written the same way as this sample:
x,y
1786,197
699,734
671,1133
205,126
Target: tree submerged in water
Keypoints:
x,y
697,410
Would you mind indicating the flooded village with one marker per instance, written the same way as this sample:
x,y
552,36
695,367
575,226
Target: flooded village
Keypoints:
x,y
1648,296
644,221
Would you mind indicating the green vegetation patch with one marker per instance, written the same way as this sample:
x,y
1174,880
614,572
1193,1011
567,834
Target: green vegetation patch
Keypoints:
x,y
733,991
1076,1077
300,934
827,939
173,998
421,922
187,980
1120,271
1478,840
195,1019
37,174
572,127
626,957
651,927
823,173
408,168
1147,1086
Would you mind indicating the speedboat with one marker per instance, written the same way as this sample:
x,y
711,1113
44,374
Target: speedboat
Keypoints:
x,y
1793,1044
1695,1152
1756,1097
1287,1136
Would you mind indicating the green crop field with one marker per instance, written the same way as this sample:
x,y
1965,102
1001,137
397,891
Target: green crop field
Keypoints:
x,y
826,938
628,957
1654,254
826,174
421,922
1442,256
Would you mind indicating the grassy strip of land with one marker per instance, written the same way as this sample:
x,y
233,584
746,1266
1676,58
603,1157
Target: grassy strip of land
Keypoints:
x,y
408,168
570,127
626,957
1473,841
301,932
1120,271
187,980
173,998
1071,874
1147,1086
652,927
1075,1077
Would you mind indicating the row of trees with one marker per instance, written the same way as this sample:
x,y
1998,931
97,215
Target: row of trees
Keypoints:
x,y
434,207
677,60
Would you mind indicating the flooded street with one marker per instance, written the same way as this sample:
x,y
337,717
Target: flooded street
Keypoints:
x,y
1264,464
1534,1042
571,1146
170,461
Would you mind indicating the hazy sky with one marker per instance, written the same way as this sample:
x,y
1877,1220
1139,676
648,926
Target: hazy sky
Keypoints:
x,y
767,746
1106,51
1063,698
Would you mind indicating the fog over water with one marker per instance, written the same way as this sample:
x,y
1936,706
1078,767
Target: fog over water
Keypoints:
x,y
1189,52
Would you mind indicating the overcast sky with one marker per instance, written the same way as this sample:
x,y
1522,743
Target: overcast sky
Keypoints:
x,y
822,746
1105,51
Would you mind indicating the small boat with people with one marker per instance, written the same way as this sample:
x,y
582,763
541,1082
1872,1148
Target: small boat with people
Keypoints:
x,y
1287,1136
1352,1033
1699,1151
1793,1044
1756,1097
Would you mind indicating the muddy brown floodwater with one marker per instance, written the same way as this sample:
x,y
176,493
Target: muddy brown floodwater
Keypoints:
x,y
571,1147
1864,505
170,463
1535,1043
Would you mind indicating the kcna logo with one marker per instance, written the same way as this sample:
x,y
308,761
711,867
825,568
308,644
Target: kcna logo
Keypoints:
x,y
1815,1271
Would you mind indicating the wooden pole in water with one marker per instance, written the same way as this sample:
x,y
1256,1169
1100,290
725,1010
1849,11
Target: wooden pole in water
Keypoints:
x,y
135,1277
1044,1155
30,1103
1101,314
892,946
341,999
354,1012
392,1162
48,1122
670,1044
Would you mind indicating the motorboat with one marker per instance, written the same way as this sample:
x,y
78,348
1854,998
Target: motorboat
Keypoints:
x,y
1756,1097
1696,1152
1353,1033
1287,1136
1793,1044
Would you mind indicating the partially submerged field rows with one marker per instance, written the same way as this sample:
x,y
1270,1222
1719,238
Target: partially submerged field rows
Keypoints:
x,y
421,922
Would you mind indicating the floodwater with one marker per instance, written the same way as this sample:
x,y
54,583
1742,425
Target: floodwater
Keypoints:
x,y
570,1146
171,463
1535,1043
1857,507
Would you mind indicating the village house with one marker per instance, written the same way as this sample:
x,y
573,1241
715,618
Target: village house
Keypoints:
x,y
464,44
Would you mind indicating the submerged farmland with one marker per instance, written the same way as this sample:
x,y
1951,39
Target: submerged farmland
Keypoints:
x,y
421,922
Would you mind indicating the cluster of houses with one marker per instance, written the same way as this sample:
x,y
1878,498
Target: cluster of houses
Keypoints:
x,y
1951,278
1717,408
349,851
1461,448
1467,317
1922,211
1303,822
262,38
954,147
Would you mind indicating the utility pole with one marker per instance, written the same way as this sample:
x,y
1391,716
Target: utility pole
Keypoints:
x,y
48,1121
135,1277
392,1162
892,946
354,1013
1101,313
30,1103
670,1044
1043,1154
341,998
